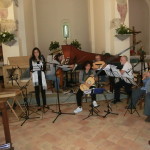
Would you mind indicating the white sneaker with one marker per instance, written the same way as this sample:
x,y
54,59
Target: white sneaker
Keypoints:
x,y
95,104
79,109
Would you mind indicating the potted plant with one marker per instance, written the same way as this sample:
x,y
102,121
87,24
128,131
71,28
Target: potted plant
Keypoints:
x,y
76,44
7,38
54,45
123,32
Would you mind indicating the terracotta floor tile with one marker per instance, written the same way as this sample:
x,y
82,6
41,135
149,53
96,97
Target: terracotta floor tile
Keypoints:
x,y
71,132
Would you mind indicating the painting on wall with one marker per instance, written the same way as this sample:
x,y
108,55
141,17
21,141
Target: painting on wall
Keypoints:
x,y
3,13
122,9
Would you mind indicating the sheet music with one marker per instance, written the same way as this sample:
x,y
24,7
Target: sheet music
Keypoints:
x,y
64,67
112,71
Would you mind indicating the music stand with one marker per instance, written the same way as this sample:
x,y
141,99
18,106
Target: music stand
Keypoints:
x,y
130,107
58,100
94,109
114,72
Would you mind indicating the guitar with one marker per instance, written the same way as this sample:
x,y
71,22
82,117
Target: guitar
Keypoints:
x,y
91,80
98,64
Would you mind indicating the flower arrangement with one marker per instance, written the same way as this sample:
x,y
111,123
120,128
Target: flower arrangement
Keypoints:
x,y
123,29
141,51
54,45
6,37
76,44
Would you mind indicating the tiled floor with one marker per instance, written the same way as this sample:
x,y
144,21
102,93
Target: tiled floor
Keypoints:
x,y
70,132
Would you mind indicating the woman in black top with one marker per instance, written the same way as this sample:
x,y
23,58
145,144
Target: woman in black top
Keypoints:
x,y
37,69
83,75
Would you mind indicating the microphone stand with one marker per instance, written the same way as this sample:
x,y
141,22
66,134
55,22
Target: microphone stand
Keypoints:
x,y
25,97
59,112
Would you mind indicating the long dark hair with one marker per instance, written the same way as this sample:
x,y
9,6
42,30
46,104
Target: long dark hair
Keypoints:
x,y
87,63
57,56
33,56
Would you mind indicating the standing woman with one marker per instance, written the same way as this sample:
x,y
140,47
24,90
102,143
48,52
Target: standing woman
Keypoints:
x,y
37,69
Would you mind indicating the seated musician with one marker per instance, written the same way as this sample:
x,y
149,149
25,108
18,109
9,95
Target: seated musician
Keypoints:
x,y
58,58
98,63
127,68
138,92
83,75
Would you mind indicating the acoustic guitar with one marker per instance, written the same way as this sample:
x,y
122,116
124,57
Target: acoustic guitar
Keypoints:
x,y
98,64
90,81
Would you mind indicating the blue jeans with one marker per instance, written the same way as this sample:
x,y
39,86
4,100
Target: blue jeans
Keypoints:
x,y
53,78
147,105
136,94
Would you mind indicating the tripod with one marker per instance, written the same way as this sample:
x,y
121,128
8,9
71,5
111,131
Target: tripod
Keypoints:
x,y
58,100
131,108
93,109
25,97
109,109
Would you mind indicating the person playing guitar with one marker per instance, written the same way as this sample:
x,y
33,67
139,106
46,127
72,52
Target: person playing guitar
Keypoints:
x,y
83,76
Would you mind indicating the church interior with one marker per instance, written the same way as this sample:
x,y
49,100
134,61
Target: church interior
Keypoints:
x,y
74,74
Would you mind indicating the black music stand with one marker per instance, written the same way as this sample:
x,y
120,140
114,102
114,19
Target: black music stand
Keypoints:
x,y
58,100
131,108
94,110
109,108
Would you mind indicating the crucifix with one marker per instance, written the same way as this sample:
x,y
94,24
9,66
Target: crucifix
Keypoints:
x,y
134,32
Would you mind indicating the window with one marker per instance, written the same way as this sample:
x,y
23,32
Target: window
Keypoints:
x,y
66,31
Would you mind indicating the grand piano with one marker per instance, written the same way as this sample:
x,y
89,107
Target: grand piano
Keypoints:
x,y
79,57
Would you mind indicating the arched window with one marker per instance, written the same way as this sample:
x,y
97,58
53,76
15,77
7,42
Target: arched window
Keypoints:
x,y
66,31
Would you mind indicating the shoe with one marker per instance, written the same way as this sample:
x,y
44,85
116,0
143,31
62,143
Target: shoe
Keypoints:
x,y
79,109
46,106
147,119
39,109
95,104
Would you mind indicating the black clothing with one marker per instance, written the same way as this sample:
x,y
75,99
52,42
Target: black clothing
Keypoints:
x,y
39,87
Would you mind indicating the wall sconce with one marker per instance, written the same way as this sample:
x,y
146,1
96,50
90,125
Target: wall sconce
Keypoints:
x,y
66,32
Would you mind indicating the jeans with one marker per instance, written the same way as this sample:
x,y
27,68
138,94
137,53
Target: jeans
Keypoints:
x,y
117,88
37,91
136,94
79,97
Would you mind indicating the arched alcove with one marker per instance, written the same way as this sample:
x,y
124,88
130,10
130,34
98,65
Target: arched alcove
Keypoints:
x,y
139,17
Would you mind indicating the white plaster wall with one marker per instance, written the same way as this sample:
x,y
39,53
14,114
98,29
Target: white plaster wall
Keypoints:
x,y
121,45
29,25
10,51
99,25
103,37
50,16
139,17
